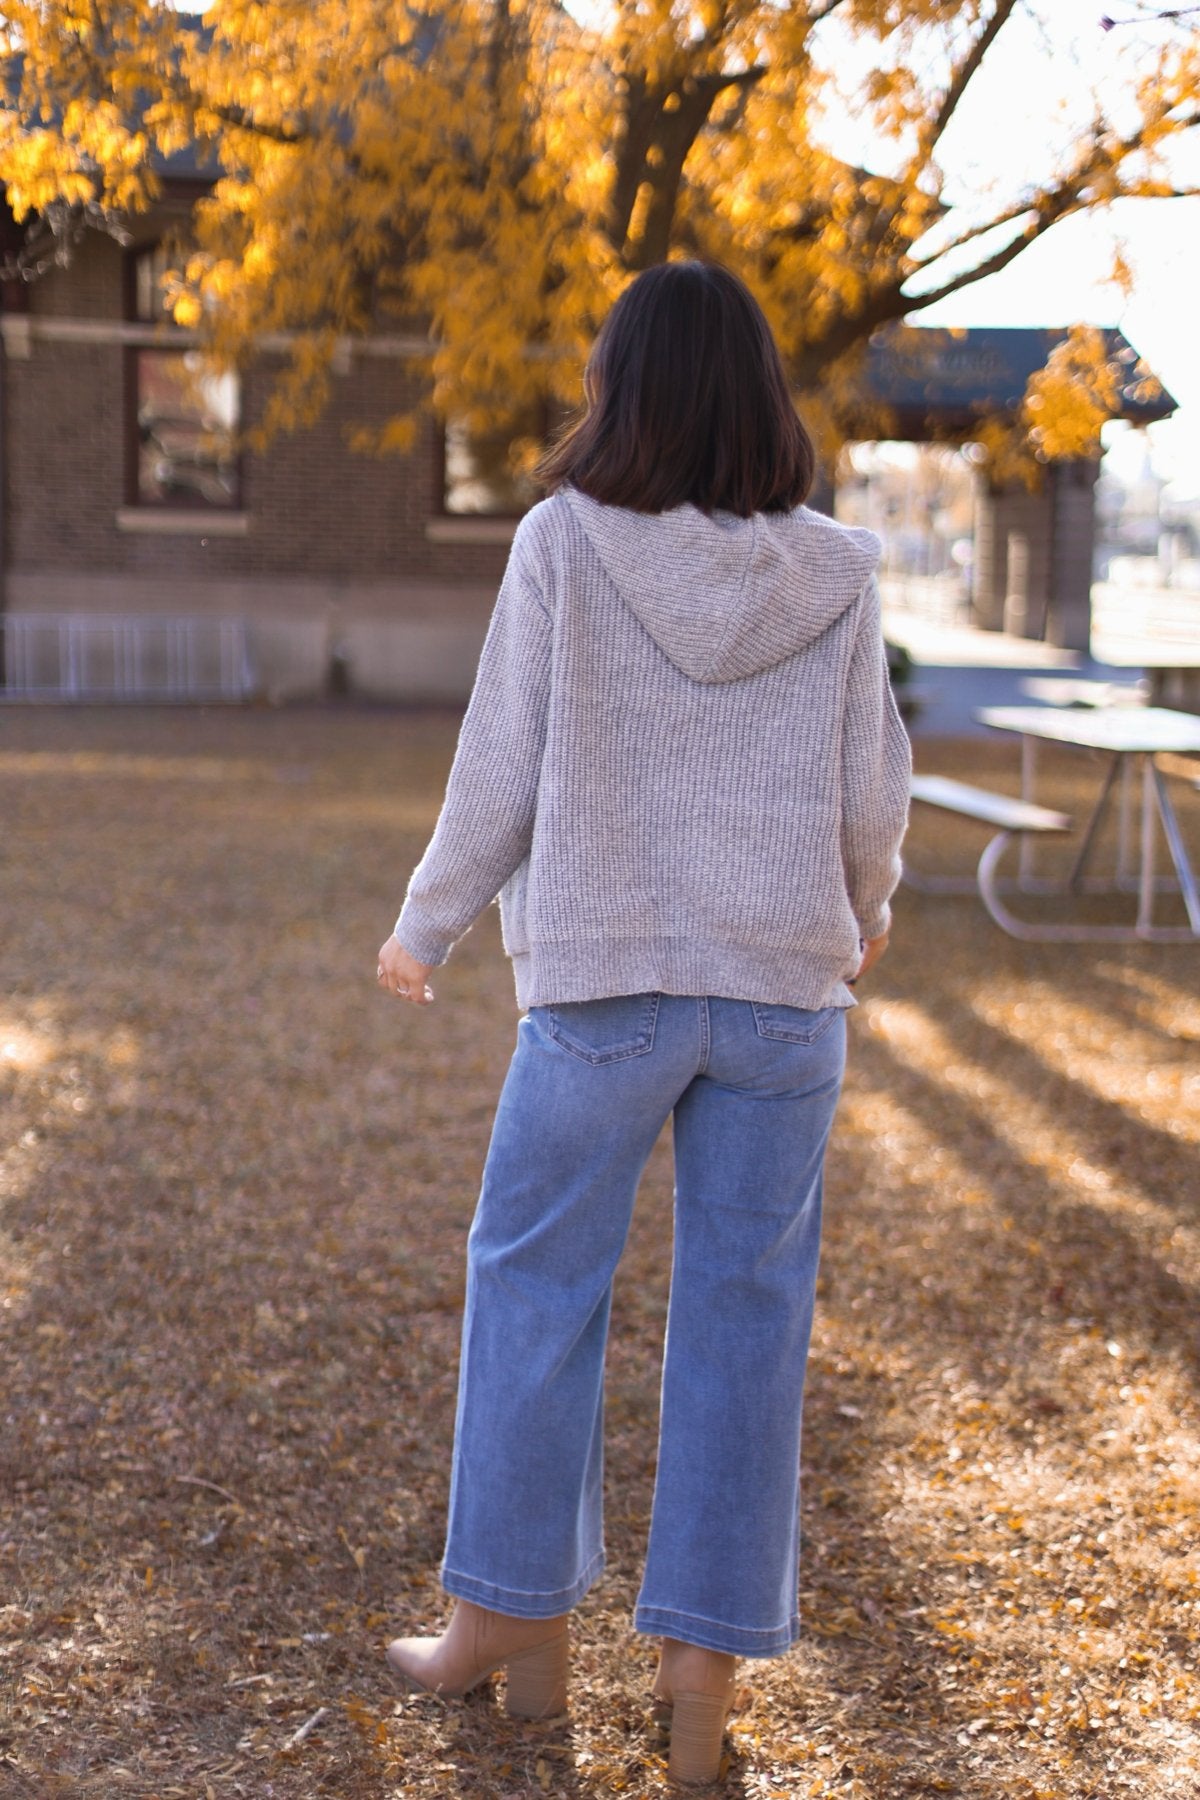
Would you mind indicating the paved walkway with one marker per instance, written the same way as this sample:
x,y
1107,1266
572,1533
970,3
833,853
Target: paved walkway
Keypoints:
x,y
961,669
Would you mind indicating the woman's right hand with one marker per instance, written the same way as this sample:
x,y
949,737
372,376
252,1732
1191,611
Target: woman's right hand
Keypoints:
x,y
873,949
401,974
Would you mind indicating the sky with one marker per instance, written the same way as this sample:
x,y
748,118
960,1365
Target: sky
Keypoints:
x,y
1035,90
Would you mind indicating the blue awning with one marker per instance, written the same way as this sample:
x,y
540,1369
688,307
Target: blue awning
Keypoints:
x,y
935,380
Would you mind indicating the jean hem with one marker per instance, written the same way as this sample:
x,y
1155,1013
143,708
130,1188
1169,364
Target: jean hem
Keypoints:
x,y
712,1634
522,1603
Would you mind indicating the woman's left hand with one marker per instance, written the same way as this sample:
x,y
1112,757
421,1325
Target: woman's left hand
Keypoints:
x,y
401,974
873,949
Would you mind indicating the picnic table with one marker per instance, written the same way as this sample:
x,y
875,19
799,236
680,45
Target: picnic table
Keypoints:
x,y
1128,737
1156,630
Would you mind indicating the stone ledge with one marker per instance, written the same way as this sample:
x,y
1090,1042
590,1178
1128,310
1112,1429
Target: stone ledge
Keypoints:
x,y
163,521
470,531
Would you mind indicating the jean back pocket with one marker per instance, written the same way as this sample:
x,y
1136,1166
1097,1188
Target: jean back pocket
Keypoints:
x,y
605,1031
792,1024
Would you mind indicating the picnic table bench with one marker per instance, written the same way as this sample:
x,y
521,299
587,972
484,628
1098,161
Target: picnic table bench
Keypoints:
x,y
1128,735
1010,817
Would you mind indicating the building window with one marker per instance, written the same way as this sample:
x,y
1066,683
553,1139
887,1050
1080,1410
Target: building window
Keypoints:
x,y
489,474
150,270
187,421
185,418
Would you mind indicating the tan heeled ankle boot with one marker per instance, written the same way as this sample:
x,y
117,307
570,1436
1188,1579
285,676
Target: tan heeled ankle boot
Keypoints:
x,y
697,1686
477,1642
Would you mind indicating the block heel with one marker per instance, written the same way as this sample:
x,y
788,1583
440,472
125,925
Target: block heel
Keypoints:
x,y
476,1643
693,1691
537,1680
697,1728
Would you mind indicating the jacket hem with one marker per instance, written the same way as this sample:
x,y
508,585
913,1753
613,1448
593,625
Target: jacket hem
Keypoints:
x,y
552,974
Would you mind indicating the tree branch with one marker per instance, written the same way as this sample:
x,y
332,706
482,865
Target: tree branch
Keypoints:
x,y
647,126
1048,209
1036,228
497,47
739,78
673,135
931,132
241,120
1163,14
961,79
635,131
1009,217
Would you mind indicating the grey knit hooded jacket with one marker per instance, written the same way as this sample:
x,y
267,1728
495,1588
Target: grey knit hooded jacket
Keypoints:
x,y
682,769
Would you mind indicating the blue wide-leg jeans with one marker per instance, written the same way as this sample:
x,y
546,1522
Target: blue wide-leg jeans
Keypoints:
x,y
753,1089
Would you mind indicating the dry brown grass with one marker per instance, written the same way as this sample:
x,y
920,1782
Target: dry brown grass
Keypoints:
x,y
235,1190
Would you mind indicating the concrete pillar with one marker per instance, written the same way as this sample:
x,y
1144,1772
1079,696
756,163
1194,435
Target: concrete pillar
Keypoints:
x,y
1012,522
989,576
1072,488
1033,556
1016,598
1177,688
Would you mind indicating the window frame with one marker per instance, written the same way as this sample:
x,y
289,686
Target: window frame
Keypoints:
x,y
162,346
546,424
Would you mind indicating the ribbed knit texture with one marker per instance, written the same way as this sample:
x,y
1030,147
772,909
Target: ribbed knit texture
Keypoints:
x,y
682,769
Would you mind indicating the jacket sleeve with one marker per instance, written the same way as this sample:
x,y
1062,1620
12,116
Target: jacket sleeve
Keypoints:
x,y
485,827
876,772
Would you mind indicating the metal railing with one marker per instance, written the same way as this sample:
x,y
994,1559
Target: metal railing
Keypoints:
x,y
123,657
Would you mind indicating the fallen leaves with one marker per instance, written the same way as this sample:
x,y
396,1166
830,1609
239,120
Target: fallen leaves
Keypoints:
x,y
230,1284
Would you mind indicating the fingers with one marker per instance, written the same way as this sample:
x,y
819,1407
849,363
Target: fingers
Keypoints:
x,y
400,974
419,994
872,950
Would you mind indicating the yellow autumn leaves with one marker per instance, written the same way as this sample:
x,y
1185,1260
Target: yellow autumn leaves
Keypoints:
x,y
491,173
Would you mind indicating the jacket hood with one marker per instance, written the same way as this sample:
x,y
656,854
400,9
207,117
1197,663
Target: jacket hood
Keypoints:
x,y
725,597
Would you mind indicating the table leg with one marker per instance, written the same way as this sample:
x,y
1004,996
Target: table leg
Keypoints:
x,y
1028,783
1176,845
1093,826
1146,875
1125,825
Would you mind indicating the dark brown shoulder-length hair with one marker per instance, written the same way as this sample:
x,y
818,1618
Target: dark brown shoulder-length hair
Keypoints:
x,y
687,400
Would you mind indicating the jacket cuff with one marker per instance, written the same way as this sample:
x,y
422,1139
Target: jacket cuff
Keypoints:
x,y
426,946
874,924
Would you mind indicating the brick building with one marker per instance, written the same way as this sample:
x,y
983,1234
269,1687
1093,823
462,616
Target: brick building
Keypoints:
x,y
141,556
